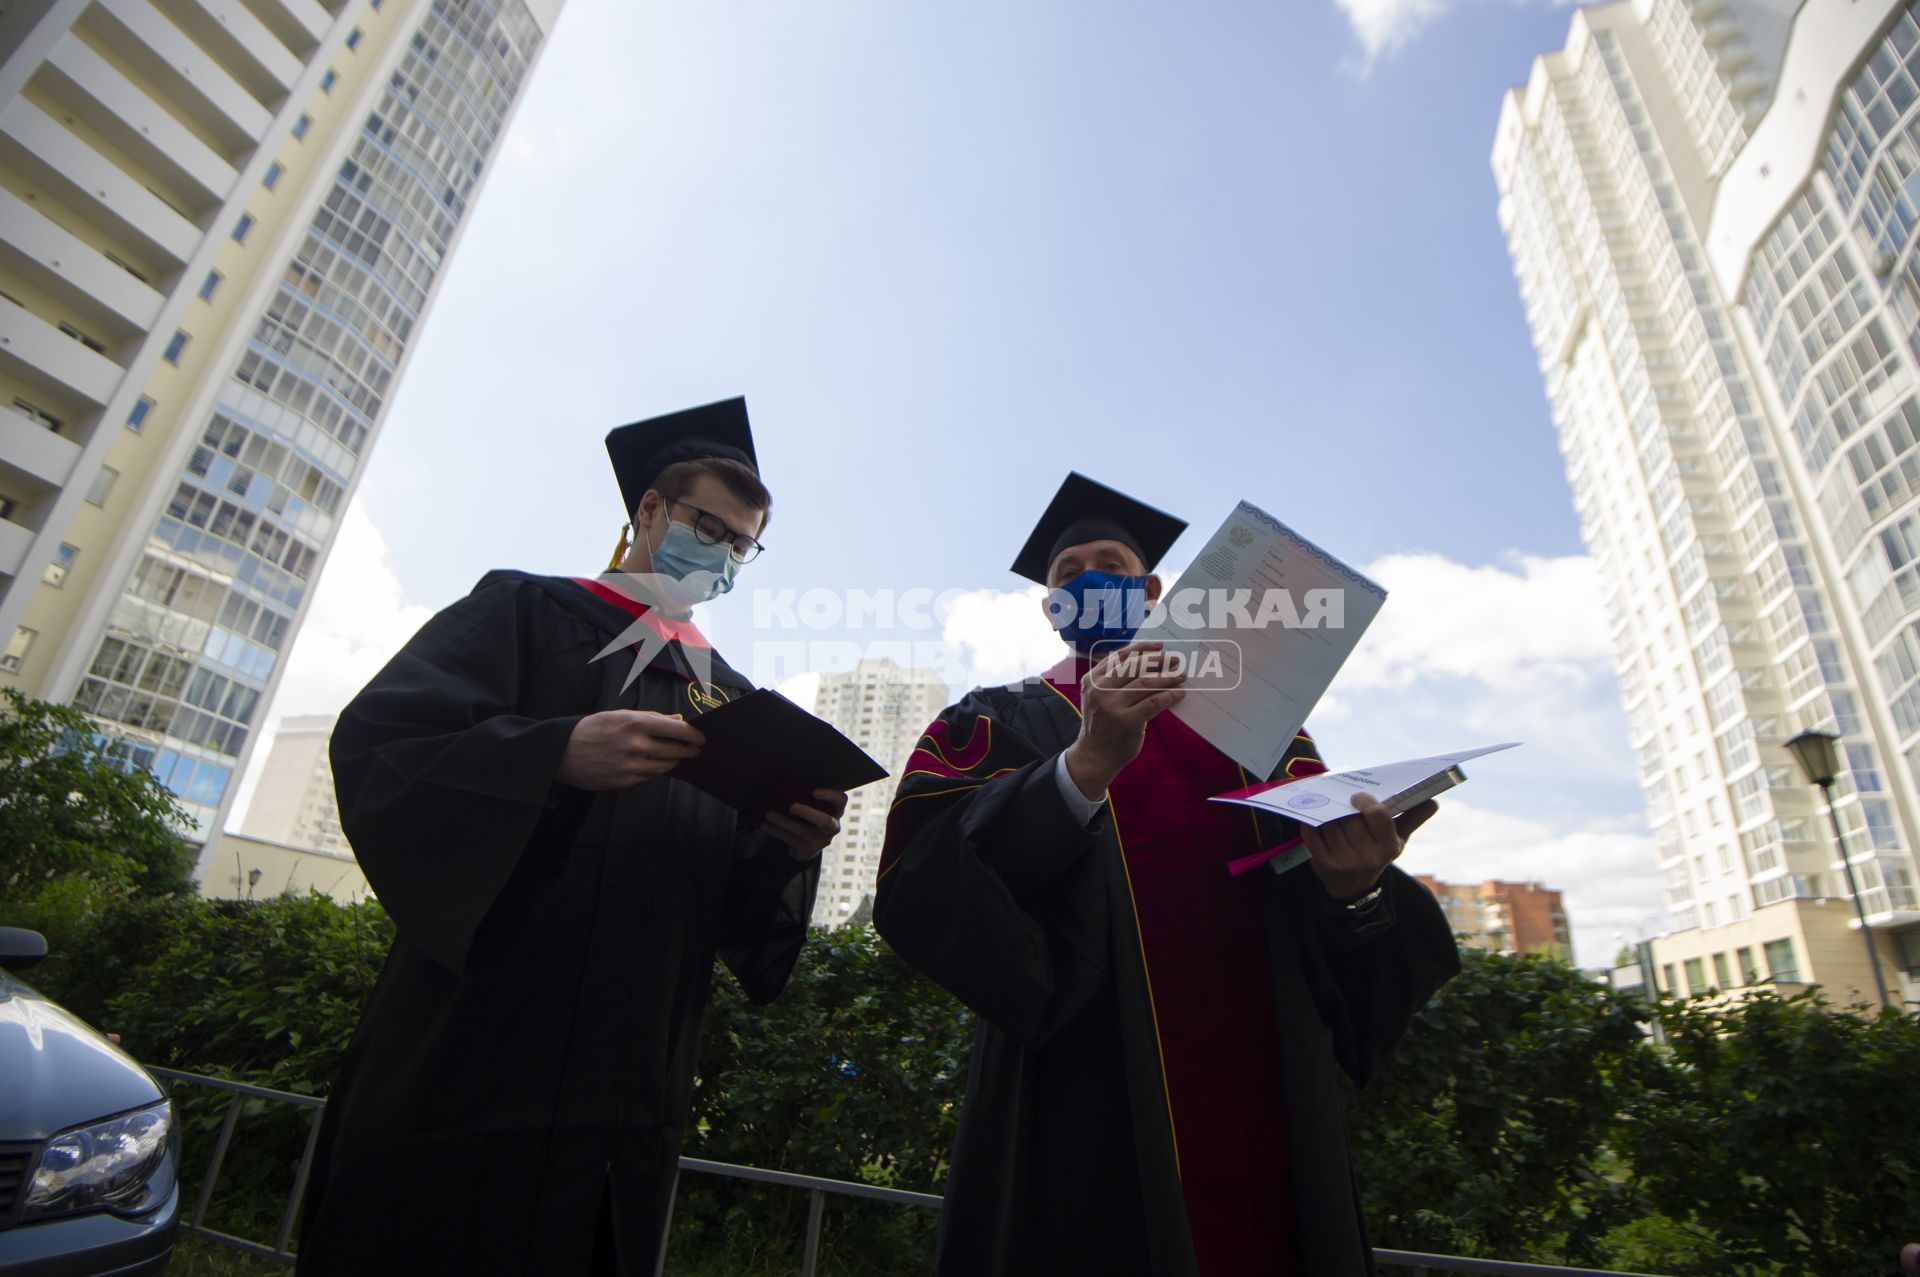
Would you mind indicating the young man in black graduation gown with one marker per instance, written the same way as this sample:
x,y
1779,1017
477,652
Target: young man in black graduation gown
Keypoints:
x,y
1152,1089
513,1100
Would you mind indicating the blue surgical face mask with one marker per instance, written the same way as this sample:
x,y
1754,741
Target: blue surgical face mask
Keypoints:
x,y
1099,607
706,571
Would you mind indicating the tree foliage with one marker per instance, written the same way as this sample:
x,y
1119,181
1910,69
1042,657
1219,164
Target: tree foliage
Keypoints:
x,y
854,1073
1487,1133
1785,1130
1525,1117
67,807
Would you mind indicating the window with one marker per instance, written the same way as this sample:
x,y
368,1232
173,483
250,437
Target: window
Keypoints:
x,y
241,227
1666,976
210,285
1721,975
176,345
38,414
271,178
102,485
7,506
1749,974
353,38
138,417
96,346
17,648
327,80
1696,976
1780,962
300,127
56,573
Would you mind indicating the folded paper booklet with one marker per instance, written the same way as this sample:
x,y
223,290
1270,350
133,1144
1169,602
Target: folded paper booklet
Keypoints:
x,y
1315,800
764,753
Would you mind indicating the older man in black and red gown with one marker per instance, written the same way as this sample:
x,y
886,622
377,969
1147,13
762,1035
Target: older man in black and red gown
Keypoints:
x,y
1152,1089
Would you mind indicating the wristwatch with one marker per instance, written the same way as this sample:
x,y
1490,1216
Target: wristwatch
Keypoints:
x,y
1368,901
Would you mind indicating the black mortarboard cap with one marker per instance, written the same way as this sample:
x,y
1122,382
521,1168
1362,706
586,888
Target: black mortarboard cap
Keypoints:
x,y
1083,511
640,451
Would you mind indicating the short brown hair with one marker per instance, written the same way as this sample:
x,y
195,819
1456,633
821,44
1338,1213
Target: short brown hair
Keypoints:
x,y
741,479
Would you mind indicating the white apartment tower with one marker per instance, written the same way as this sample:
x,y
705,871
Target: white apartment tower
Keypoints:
x,y
294,801
883,708
1709,206
222,223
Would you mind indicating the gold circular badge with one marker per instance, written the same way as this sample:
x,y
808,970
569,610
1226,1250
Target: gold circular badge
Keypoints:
x,y
705,696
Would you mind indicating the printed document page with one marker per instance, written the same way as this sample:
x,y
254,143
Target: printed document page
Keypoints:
x,y
1263,620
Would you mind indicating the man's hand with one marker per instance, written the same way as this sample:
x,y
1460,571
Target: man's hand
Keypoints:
x,y
1350,854
1114,711
621,747
807,830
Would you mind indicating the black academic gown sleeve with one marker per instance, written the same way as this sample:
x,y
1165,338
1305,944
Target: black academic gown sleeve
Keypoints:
x,y
980,844
1379,967
768,907
1370,969
443,779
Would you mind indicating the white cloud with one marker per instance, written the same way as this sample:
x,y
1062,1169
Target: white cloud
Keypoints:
x,y
1000,635
359,618
802,689
1464,656
1604,869
1537,621
1385,25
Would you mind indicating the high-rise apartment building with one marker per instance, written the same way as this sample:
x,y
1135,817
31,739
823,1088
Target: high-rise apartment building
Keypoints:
x,y
1709,206
222,223
883,708
1505,917
293,802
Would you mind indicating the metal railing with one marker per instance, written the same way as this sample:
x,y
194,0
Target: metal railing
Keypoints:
x,y
817,1188
196,1222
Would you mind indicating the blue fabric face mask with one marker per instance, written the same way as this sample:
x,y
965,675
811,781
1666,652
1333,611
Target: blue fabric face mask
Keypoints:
x,y
705,571
1099,607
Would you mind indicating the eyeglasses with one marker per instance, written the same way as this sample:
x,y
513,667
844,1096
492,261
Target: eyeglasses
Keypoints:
x,y
711,529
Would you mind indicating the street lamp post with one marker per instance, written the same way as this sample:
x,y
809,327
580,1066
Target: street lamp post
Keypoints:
x,y
1819,757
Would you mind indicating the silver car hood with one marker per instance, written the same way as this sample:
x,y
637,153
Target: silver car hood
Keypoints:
x,y
56,1071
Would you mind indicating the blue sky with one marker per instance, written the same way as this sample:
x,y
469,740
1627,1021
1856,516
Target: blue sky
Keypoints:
x,y
949,252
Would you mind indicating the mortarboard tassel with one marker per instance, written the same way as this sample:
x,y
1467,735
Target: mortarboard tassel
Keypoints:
x,y
626,543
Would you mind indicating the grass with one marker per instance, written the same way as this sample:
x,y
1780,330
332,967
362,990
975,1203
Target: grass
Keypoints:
x,y
196,1257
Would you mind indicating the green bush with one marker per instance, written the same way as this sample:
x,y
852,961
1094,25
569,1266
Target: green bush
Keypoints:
x,y
855,1073
1486,1134
1525,1117
1785,1130
266,992
69,804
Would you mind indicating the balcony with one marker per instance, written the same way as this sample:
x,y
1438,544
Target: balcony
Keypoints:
x,y
42,355
177,67
298,24
31,449
95,187
240,41
47,255
91,88
14,543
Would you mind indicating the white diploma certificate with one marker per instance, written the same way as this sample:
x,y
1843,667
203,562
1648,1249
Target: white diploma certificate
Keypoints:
x,y
1264,619
1315,800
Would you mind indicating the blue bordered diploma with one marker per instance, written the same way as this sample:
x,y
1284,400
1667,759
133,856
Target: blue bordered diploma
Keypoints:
x,y
1315,800
1262,620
